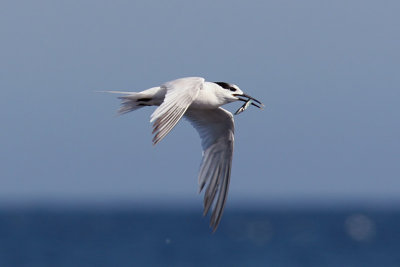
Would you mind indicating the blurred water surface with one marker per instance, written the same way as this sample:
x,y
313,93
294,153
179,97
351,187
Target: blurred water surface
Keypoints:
x,y
257,237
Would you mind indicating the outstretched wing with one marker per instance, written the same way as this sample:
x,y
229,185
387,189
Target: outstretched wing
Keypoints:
x,y
180,95
216,130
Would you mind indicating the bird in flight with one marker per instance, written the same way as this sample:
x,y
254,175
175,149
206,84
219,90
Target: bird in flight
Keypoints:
x,y
200,102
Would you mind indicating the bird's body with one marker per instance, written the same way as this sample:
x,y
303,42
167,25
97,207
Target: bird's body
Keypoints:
x,y
209,97
200,102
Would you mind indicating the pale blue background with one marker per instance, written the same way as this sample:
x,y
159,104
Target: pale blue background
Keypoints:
x,y
328,72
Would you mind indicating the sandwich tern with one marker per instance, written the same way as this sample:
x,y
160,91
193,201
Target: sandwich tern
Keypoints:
x,y
200,102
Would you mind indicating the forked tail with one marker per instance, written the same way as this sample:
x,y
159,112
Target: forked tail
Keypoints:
x,y
131,101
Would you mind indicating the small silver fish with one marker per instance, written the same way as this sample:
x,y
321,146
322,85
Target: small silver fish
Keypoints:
x,y
244,107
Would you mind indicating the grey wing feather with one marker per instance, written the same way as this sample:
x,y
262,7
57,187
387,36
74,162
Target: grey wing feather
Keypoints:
x,y
216,130
180,95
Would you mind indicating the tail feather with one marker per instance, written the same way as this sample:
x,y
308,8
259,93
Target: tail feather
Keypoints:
x,y
130,101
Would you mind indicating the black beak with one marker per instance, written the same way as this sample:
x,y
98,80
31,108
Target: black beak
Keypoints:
x,y
259,105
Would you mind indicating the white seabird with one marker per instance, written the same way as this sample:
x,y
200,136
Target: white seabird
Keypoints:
x,y
200,102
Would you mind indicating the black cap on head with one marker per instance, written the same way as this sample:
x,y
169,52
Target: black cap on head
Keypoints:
x,y
226,86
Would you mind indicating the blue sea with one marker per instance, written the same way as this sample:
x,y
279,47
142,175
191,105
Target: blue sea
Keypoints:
x,y
165,237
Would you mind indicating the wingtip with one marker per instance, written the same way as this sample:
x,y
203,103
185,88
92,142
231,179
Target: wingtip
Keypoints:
x,y
214,227
155,141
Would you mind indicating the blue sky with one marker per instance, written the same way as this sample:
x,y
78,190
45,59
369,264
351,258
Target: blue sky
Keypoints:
x,y
328,72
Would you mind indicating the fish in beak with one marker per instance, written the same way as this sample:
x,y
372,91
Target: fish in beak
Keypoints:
x,y
248,100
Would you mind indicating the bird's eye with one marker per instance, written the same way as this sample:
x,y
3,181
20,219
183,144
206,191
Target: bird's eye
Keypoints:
x,y
232,89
